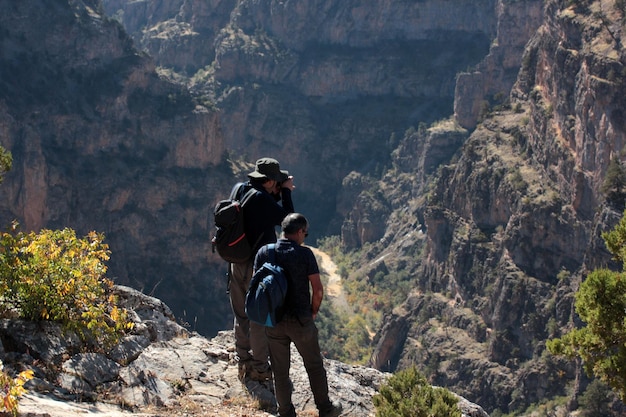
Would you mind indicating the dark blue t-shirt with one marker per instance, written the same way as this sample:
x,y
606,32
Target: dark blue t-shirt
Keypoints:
x,y
299,262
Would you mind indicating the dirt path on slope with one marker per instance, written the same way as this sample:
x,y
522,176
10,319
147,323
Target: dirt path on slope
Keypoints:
x,y
334,287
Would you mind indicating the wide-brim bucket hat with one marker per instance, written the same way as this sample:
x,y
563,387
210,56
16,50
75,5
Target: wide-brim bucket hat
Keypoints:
x,y
269,168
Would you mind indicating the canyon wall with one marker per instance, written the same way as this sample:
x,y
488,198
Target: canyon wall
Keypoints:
x,y
461,143
513,221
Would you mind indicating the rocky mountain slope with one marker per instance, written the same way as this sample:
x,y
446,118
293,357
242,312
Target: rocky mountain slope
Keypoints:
x,y
493,213
512,223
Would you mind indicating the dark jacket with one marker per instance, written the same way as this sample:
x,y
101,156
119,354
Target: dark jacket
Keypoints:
x,y
262,213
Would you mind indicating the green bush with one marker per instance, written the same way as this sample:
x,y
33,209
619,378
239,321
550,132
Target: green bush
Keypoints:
x,y
594,401
53,275
408,394
614,184
6,161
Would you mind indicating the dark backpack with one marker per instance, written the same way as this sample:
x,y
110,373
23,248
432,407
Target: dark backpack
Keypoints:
x,y
230,239
265,298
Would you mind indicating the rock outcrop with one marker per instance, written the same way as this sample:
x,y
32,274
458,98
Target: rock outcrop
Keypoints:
x,y
489,84
161,365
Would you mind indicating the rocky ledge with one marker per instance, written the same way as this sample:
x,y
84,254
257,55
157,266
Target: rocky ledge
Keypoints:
x,y
161,367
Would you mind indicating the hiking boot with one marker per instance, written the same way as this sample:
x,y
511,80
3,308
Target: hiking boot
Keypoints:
x,y
257,375
242,369
260,392
290,413
334,410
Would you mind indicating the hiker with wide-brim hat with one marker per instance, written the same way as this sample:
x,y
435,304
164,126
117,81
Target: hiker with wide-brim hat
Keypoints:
x,y
265,210
269,168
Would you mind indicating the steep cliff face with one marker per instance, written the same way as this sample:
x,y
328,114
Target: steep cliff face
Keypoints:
x,y
99,142
178,34
490,82
572,78
323,85
513,222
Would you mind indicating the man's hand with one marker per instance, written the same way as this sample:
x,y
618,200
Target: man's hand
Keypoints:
x,y
288,183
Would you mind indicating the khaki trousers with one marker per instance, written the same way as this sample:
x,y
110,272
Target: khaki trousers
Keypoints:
x,y
250,341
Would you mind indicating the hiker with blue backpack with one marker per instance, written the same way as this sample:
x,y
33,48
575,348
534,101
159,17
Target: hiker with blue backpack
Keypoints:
x,y
263,210
295,322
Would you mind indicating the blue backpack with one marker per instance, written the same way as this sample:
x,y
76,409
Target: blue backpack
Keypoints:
x,y
266,295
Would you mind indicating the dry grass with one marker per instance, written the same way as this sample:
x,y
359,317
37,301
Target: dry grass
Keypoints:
x,y
237,407
187,407
233,407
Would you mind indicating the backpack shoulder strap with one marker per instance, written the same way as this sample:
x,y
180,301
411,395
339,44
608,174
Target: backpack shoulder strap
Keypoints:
x,y
248,195
271,251
236,191
240,190
240,193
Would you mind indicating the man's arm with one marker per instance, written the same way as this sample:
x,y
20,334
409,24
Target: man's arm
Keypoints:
x,y
286,188
287,202
318,293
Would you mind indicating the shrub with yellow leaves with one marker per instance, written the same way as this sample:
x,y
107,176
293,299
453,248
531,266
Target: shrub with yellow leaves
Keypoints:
x,y
11,389
54,275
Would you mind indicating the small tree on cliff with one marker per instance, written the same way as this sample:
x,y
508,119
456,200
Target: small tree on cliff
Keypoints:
x,y
6,161
601,304
614,185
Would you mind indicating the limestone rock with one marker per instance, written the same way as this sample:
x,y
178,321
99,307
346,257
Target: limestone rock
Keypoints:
x,y
175,367
489,84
